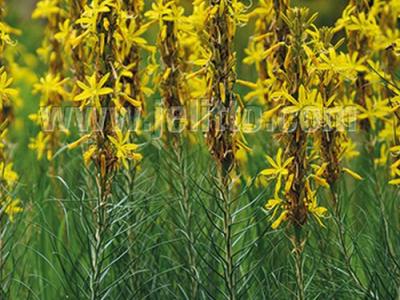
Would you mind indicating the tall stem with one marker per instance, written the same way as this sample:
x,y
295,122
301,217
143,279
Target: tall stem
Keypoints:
x,y
225,195
222,118
187,210
298,253
96,247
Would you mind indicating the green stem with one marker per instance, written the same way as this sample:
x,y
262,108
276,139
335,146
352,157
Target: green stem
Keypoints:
x,y
95,248
187,211
225,196
298,253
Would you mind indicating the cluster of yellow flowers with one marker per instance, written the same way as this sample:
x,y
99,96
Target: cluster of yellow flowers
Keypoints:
x,y
173,26
304,76
9,205
98,58
93,52
374,37
223,19
107,42
375,28
214,26
52,86
197,64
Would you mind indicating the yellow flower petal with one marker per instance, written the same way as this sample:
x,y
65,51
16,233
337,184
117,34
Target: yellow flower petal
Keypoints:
x,y
352,174
281,218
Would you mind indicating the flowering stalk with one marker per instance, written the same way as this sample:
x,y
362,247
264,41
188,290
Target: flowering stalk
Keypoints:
x,y
172,80
130,54
219,140
103,156
395,149
107,83
330,85
332,135
51,86
221,78
73,38
173,26
266,49
281,28
292,166
358,44
387,18
8,178
9,205
101,39
372,31
220,81
296,141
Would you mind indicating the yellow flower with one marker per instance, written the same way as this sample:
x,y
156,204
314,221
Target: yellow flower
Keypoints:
x,y
366,25
283,217
395,169
279,169
49,86
93,90
5,31
134,34
87,156
79,142
39,144
373,110
45,9
317,176
91,13
395,181
318,212
345,65
158,10
65,30
124,95
395,149
260,89
383,158
125,150
5,90
349,150
11,207
352,173
277,204
8,174
305,99
273,204
263,10
256,53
